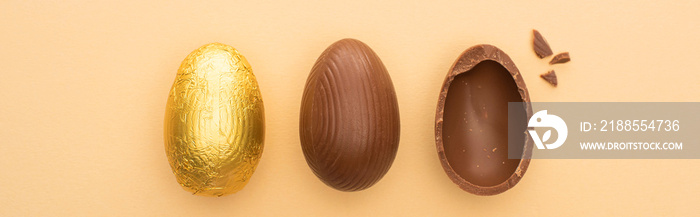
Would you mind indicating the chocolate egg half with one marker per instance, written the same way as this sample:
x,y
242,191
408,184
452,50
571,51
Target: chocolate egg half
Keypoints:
x,y
471,124
214,122
349,121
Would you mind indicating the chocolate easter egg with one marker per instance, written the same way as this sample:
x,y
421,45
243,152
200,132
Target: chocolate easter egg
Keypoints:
x,y
471,123
214,122
349,121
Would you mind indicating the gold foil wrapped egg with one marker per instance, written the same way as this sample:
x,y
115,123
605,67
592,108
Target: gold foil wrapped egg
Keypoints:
x,y
214,122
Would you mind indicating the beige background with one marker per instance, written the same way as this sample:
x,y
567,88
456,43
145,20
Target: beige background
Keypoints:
x,y
83,87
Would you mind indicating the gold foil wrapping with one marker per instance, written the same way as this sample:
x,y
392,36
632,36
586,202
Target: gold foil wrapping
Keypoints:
x,y
214,122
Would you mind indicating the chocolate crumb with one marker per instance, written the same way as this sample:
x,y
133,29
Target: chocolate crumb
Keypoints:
x,y
560,58
540,45
550,77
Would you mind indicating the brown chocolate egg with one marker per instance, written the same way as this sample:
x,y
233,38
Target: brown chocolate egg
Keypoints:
x,y
471,123
349,121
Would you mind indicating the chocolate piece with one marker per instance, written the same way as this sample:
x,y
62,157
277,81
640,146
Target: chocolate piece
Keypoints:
x,y
471,124
540,45
550,77
560,58
349,121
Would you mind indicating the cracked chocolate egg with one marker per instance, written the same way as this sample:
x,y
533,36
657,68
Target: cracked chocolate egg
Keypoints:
x,y
214,122
349,120
471,123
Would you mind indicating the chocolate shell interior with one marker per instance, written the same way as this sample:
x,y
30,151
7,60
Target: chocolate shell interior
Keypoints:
x,y
472,121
